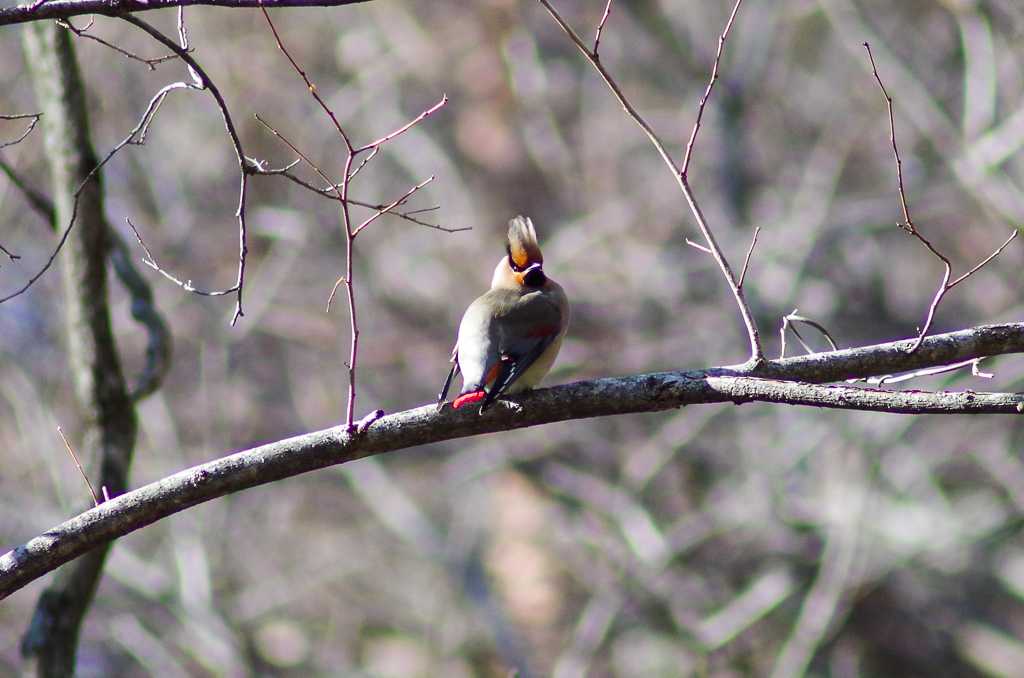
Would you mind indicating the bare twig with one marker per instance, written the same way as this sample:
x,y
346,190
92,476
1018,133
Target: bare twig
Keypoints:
x,y
698,246
756,352
341,193
789,322
404,128
327,192
908,222
688,154
334,291
305,78
600,28
134,137
746,259
976,369
186,285
203,81
984,261
332,187
56,250
33,119
71,451
930,371
152,63
386,209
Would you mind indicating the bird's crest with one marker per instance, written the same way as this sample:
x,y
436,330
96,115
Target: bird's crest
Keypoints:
x,y
523,249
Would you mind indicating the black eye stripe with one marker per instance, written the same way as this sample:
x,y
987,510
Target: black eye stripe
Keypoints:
x,y
535,278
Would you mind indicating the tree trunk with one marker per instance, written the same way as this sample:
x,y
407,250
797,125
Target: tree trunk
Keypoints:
x,y
108,413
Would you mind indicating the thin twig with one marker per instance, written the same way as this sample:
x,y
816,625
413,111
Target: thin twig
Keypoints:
x,y
132,138
341,192
707,90
186,285
336,188
984,261
71,451
334,290
600,28
404,128
310,87
756,352
365,161
33,119
908,222
43,10
203,81
84,33
746,259
789,322
929,372
326,192
56,250
390,206
698,246
10,255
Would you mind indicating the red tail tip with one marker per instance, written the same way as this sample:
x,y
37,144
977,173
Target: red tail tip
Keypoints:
x,y
468,399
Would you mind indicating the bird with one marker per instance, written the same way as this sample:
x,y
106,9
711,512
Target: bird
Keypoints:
x,y
510,335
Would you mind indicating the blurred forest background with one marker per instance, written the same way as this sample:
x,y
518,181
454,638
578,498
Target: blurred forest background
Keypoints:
x,y
717,540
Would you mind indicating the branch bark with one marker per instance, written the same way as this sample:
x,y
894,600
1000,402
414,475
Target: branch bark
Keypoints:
x,y
107,409
64,9
788,381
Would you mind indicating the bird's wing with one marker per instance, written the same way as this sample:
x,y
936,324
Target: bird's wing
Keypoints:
x,y
530,324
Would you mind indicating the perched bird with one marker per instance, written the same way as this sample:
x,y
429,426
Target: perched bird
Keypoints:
x,y
509,337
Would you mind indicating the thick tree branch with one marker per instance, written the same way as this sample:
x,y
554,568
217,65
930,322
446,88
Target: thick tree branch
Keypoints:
x,y
600,397
63,9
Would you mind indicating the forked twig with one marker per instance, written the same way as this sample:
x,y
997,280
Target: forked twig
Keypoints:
x,y
392,205
756,352
341,194
908,222
203,81
327,191
33,119
186,285
707,90
789,323
151,63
